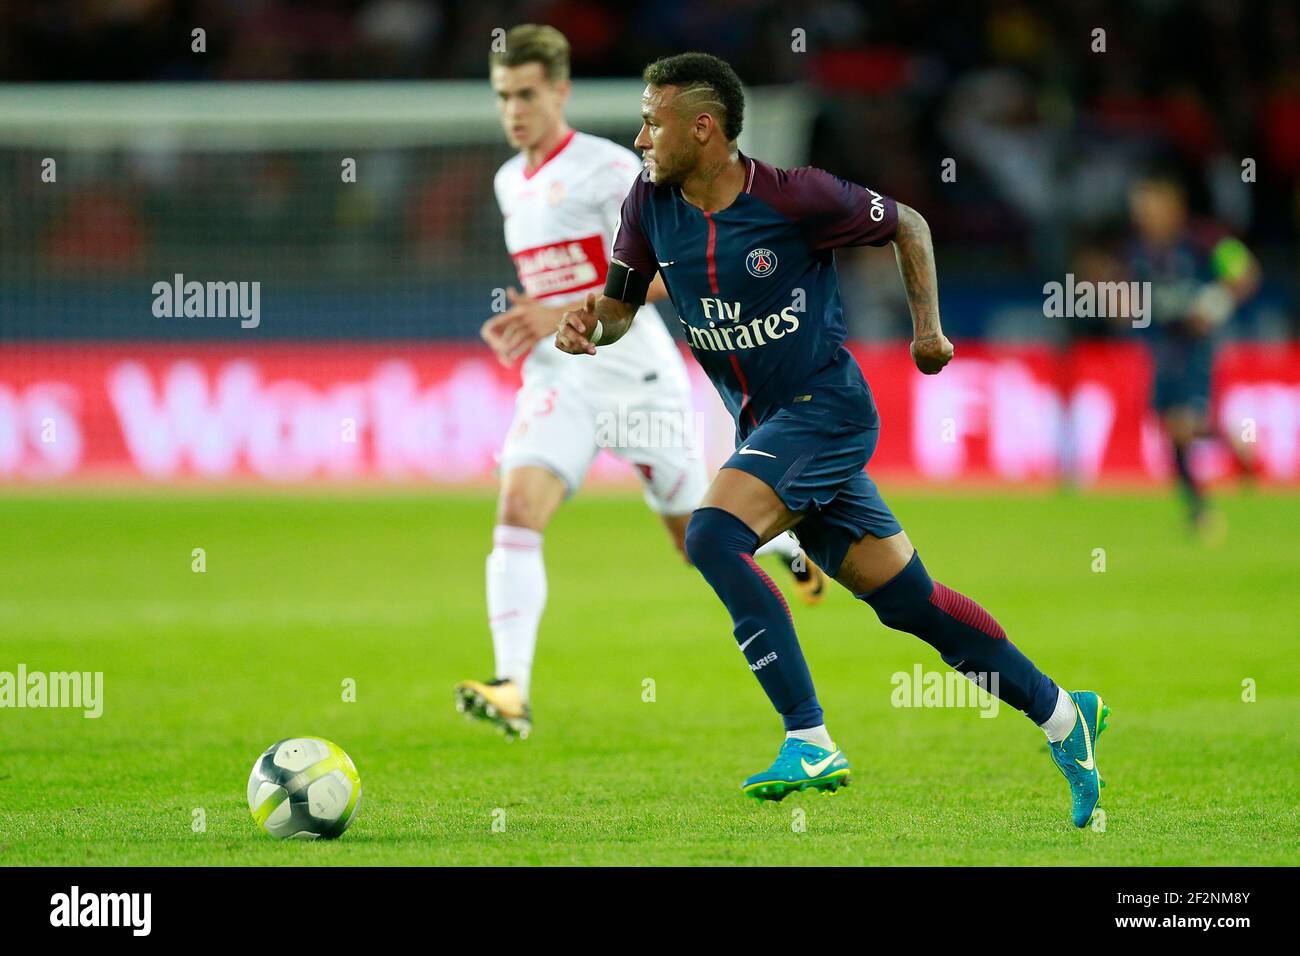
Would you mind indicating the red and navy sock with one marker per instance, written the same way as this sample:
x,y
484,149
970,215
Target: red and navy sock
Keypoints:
x,y
721,547
965,635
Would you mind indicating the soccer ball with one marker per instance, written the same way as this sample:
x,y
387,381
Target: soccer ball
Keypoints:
x,y
304,788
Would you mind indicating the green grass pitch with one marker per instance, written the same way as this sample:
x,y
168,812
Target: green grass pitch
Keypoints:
x,y
203,671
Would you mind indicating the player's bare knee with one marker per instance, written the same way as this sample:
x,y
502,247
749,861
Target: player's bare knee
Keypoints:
x,y
872,562
528,501
518,509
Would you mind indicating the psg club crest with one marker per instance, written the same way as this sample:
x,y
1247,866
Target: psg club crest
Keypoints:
x,y
761,262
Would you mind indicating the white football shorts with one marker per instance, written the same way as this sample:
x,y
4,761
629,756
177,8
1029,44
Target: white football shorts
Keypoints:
x,y
559,427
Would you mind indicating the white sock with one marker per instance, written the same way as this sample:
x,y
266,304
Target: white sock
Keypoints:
x,y
783,544
1058,726
814,735
516,596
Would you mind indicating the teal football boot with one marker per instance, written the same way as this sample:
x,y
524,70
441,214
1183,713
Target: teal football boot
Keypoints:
x,y
799,766
1076,755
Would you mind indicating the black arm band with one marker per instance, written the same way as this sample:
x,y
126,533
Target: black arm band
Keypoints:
x,y
626,285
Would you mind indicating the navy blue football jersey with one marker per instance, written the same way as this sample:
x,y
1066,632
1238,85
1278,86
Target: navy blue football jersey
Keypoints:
x,y
1177,274
1183,355
755,286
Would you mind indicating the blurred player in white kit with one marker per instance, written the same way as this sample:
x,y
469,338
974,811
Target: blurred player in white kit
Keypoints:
x,y
560,197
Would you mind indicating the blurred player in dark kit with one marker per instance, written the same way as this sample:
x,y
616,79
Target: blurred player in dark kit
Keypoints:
x,y
1199,275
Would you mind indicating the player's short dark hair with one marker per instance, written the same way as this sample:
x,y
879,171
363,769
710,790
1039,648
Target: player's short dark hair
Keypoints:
x,y
1162,172
535,43
710,80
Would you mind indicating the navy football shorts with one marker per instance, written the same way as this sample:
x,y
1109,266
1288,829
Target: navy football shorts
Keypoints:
x,y
1182,375
816,468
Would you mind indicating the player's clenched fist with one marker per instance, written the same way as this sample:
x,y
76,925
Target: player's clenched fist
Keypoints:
x,y
575,329
931,352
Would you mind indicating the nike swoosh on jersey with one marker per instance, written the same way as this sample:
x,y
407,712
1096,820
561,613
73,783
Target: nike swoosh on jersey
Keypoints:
x,y
813,769
755,451
751,640
665,265
1087,743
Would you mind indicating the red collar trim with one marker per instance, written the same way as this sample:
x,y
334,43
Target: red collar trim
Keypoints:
x,y
530,173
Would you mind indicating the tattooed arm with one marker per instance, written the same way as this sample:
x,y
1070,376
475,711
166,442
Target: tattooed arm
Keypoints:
x,y
931,349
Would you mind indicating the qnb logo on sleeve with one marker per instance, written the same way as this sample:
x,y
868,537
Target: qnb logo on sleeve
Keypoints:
x,y
74,908
727,332
877,205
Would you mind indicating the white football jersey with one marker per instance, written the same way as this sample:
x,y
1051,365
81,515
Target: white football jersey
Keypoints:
x,y
560,221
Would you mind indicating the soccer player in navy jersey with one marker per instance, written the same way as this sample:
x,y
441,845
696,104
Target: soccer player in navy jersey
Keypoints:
x,y
747,253
1199,275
